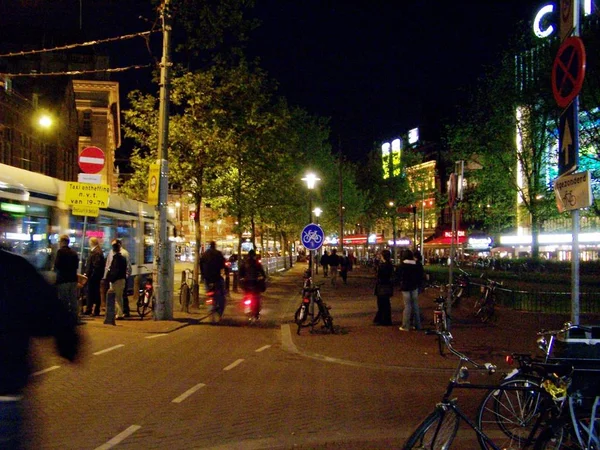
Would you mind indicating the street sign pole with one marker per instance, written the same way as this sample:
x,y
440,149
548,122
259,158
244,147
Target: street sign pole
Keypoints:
x,y
164,299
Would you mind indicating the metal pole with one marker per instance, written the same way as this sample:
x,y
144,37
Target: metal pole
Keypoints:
x,y
422,224
575,310
164,298
341,195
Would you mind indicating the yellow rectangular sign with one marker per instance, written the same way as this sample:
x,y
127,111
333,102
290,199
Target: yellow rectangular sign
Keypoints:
x,y
90,211
86,194
153,183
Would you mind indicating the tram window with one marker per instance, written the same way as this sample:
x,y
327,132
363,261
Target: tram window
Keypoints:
x,y
148,242
26,235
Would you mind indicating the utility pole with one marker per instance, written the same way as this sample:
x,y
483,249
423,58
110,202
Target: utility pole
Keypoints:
x,y
163,264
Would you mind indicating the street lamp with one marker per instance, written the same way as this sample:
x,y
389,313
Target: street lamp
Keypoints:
x,y
317,212
311,181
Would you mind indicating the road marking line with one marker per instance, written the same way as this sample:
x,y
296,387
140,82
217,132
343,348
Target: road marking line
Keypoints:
x,y
106,350
187,393
119,437
156,335
41,372
263,348
234,364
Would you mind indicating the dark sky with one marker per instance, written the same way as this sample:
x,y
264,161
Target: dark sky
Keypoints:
x,y
376,67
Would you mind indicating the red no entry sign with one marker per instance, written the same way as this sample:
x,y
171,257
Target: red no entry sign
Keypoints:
x,y
91,160
568,71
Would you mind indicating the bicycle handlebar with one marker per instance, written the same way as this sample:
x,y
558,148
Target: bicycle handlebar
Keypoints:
x,y
447,338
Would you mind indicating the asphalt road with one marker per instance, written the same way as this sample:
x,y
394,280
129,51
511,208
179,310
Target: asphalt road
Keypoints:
x,y
189,384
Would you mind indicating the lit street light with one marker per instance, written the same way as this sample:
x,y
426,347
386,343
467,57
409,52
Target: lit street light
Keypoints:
x,y
311,181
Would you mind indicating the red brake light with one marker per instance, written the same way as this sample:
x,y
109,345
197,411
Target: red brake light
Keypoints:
x,y
306,300
509,360
248,301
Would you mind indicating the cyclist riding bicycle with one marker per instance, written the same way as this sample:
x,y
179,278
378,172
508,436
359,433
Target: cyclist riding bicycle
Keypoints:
x,y
252,280
211,265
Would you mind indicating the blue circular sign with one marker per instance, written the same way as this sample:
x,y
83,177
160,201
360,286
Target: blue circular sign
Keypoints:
x,y
312,236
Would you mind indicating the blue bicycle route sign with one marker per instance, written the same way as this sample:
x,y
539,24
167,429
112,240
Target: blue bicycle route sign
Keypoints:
x,y
312,236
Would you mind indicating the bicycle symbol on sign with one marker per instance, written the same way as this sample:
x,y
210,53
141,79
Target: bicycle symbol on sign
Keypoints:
x,y
570,198
311,236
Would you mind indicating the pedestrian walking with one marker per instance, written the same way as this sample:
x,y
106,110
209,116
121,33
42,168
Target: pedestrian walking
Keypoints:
x,y
125,253
30,308
334,263
115,273
65,266
411,277
94,272
384,290
325,263
344,268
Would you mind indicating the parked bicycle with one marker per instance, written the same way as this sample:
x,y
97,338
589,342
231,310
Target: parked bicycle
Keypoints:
x,y
146,299
441,318
439,429
305,315
485,306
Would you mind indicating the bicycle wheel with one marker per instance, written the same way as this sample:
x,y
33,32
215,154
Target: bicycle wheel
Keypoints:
x,y
514,413
144,305
437,431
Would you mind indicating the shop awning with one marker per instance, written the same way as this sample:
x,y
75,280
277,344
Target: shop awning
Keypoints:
x,y
445,241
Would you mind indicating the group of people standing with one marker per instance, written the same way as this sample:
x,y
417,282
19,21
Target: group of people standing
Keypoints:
x,y
334,264
112,270
410,276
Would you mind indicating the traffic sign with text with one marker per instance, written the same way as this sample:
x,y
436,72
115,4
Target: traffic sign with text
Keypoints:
x,y
85,194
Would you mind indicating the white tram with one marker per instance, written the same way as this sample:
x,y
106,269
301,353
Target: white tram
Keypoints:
x,y
33,213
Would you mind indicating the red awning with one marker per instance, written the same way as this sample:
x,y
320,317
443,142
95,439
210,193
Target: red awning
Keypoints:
x,y
446,240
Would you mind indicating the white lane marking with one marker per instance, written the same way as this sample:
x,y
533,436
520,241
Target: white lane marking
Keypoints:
x,y
187,393
119,437
41,372
263,348
156,335
110,349
234,364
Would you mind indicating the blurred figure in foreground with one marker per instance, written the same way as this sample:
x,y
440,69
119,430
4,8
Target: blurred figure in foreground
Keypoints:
x,y
29,306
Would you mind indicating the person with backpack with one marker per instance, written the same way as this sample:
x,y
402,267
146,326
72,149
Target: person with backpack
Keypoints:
x,y
116,273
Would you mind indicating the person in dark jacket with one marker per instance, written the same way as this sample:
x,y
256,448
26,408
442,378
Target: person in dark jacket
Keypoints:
x,y
384,290
325,263
334,262
94,271
65,266
411,277
29,307
212,263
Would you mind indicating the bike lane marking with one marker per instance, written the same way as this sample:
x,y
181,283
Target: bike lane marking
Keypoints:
x,y
187,393
110,349
262,349
119,437
43,371
236,363
157,335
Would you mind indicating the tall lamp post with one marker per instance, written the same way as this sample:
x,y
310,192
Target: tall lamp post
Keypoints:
x,y
317,212
391,205
311,181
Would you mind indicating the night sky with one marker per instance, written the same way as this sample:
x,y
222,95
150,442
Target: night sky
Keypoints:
x,y
376,67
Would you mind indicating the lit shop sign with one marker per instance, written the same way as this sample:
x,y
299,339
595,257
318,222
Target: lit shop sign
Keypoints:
x,y
542,28
459,233
372,239
551,239
399,242
477,243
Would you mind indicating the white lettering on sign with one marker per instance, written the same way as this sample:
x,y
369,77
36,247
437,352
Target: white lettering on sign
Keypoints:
x,y
537,22
539,27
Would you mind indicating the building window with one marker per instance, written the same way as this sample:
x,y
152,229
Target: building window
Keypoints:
x,y
86,124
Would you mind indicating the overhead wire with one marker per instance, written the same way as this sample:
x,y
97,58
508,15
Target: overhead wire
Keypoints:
x,y
81,44
78,72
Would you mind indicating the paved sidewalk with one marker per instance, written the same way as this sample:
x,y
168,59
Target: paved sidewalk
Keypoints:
x,y
358,340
